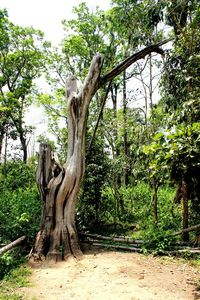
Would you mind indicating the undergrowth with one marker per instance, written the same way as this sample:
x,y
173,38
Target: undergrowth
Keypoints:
x,y
14,280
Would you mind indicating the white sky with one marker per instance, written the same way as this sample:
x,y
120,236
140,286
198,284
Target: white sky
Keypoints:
x,y
46,15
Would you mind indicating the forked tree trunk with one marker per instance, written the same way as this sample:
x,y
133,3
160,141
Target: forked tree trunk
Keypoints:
x,y
59,186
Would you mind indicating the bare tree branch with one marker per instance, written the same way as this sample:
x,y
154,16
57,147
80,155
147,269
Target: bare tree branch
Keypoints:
x,y
51,108
130,60
12,245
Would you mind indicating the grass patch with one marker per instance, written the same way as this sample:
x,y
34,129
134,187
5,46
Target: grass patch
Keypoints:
x,y
195,262
17,278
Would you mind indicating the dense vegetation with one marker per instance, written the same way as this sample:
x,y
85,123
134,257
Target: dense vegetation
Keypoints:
x,y
143,138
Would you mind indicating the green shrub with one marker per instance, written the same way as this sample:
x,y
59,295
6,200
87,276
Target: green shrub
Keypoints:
x,y
157,239
17,277
137,210
90,208
19,203
10,261
16,174
20,214
136,201
169,215
20,209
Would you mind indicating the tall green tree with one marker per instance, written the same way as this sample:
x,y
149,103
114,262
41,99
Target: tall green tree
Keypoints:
x,y
180,103
21,62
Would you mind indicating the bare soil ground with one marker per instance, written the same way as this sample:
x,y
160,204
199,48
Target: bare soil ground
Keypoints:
x,y
106,275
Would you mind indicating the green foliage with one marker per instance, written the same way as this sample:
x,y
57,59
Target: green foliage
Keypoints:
x,y
91,208
10,261
20,205
176,148
137,213
19,211
137,201
16,174
16,278
56,111
22,60
86,35
180,77
136,21
157,239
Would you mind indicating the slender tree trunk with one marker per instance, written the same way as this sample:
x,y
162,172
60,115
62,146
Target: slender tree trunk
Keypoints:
x,y
125,136
1,143
155,201
185,235
114,94
178,194
116,175
150,82
24,146
5,154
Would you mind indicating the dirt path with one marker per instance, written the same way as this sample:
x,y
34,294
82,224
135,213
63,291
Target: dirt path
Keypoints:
x,y
114,275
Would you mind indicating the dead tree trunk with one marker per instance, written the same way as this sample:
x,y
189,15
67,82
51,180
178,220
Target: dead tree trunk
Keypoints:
x,y
57,238
59,186
189,229
12,245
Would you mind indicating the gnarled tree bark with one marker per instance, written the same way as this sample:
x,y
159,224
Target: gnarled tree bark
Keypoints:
x,y
59,186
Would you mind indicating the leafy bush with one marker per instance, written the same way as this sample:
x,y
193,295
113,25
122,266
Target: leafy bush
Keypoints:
x,y
20,214
16,174
17,277
19,211
137,201
138,212
157,239
9,261
90,209
169,215
19,202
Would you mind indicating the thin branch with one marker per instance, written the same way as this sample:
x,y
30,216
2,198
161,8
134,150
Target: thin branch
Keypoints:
x,y
49,107
192,228
18,73
133,74
61,78
99,116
